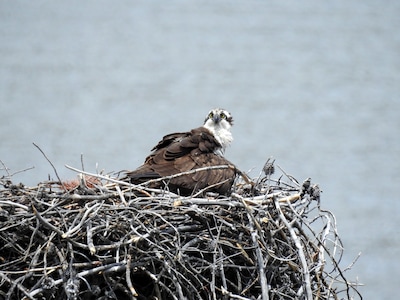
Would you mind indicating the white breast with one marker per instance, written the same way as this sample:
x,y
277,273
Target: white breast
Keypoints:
x,y
221,133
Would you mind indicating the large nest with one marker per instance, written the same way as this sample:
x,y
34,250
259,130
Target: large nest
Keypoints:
x,y
98,238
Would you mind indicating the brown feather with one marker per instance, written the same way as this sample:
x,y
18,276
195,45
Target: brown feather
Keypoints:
x,y
183,152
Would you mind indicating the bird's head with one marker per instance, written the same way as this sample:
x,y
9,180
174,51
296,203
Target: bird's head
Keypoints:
x,y
218,118
219,122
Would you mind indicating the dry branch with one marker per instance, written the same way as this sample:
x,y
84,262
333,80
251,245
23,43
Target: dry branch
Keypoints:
x,y
104,240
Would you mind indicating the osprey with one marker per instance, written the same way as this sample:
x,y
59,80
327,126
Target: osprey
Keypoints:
x,y
191,153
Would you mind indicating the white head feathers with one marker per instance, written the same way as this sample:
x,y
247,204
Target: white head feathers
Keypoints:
x,y
219,122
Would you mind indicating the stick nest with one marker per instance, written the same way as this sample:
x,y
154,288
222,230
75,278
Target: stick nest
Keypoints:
x,y
99,238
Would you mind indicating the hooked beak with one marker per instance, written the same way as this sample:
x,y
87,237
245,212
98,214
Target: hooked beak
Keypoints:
x,y
216,118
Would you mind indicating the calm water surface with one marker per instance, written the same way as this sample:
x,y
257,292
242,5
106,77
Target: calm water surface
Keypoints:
x,y
313,84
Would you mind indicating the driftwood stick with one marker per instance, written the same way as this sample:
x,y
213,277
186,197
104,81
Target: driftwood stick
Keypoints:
x,y
10,203
128,278
300,249
89,238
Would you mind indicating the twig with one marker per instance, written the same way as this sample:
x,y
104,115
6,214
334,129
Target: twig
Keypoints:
x,y
76,228
255,231
120,182
115,267
166,178
306,272
6,202
89,238
128,278
45,156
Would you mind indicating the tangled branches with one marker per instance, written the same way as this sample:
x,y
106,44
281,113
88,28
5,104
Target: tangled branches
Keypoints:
x,y
104,239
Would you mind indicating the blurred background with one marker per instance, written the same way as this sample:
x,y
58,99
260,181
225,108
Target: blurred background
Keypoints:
x,y
313,84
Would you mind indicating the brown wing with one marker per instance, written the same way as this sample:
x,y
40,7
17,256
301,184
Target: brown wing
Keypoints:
x,y
183,152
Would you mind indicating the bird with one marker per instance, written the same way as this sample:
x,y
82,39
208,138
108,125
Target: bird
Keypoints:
x,y
191,161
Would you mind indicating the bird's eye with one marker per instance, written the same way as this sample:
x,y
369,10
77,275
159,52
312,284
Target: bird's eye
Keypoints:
x,y
210,115
223,116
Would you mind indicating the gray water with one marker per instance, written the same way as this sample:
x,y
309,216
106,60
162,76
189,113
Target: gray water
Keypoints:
x,y
314,84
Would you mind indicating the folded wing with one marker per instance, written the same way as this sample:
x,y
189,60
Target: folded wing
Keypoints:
x,y
184,152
